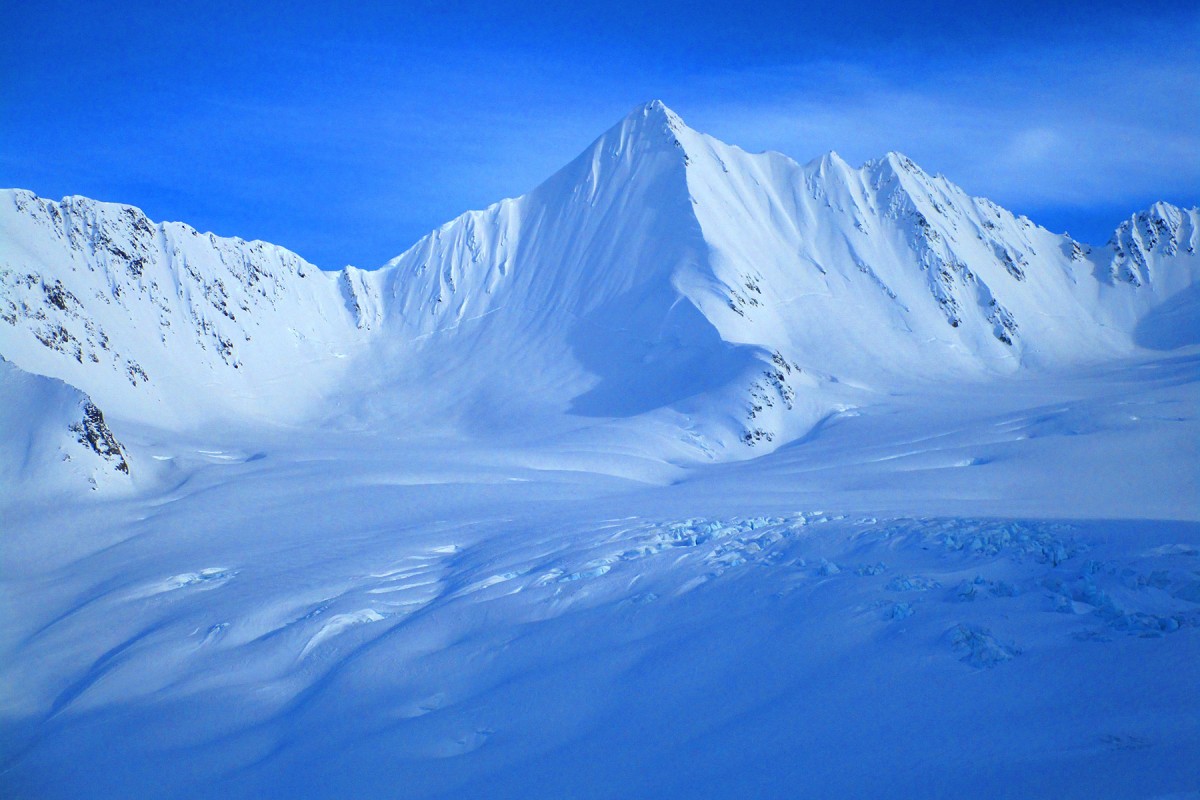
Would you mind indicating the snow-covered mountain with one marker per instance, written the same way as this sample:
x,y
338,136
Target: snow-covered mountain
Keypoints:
x,y
693,472
662,276
669,265
158,320
52,432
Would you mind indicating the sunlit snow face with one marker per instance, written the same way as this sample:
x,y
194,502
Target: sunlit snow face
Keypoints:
x,y
411,121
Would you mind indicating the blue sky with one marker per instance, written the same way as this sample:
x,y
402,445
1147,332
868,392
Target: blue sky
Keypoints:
x,y
346,134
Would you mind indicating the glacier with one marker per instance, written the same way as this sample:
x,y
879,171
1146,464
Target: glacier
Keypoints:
x,y
692,472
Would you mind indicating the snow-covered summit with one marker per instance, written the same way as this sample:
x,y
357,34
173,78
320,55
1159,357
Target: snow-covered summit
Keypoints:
x,y
157,319
450,528
661,278
1162,231
670,266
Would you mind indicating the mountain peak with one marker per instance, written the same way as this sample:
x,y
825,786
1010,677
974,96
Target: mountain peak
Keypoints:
x,y
656,107
649,130
829,161
652,118
659,267
1161,229
898,163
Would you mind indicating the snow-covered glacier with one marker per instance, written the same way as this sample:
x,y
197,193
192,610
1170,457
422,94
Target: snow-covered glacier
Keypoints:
x,y
692,472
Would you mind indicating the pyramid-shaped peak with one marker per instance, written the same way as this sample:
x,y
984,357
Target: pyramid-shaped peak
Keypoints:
x,y
1164,210
654,113
897,162
650,127
829,161
658,107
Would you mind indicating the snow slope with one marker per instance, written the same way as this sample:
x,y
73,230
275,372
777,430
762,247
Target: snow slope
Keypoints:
x,y
991,595
54,435
685,274
691,473
159,321
662,282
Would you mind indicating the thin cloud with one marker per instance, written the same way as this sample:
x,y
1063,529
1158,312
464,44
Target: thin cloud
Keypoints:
x,y
1106,129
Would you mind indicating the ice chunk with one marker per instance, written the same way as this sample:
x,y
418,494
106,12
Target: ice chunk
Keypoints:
x,y
979,648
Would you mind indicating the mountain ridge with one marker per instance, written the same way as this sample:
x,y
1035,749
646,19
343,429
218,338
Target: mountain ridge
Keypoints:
x,y
662,276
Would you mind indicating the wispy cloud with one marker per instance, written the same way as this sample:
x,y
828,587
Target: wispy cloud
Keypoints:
x,y
349,137
1074,128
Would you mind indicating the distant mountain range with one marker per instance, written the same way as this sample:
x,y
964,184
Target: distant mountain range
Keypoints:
x,y
662,287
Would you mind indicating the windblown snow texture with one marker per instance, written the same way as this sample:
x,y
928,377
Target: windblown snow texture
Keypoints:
x,y
691,473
